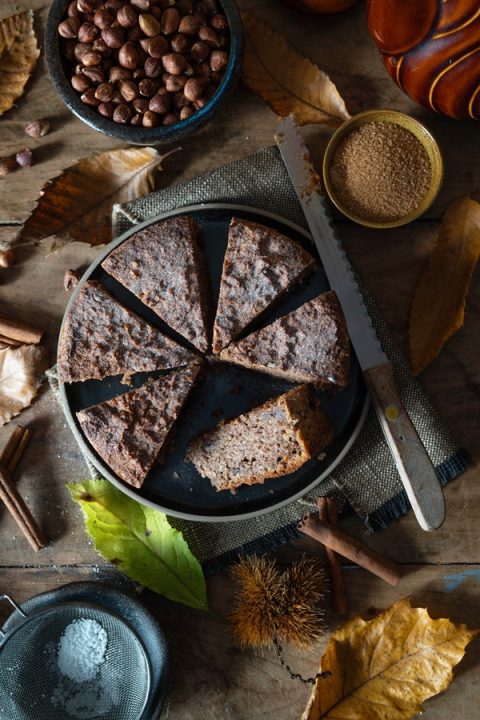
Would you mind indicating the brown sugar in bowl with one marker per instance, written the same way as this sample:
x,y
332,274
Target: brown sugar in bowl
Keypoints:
x,y
423,169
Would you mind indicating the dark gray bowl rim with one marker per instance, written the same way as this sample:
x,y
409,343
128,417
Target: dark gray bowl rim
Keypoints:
x,y
102,467
129,133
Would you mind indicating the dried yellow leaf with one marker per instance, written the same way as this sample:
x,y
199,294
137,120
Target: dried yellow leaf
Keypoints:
x,y
439,302
22,371
383,669
287,81
77,205
18,56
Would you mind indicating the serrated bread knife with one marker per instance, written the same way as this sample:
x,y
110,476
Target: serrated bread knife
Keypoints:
x,y
413,464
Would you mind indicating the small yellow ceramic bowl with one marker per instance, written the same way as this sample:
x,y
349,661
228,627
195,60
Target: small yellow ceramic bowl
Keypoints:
x,y
407,122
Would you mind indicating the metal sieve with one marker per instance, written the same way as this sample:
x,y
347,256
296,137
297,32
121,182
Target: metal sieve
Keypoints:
x,y
33,686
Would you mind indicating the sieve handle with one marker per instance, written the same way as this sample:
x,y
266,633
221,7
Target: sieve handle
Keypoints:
x,y
14,605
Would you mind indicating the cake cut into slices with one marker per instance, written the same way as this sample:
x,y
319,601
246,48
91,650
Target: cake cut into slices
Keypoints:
x,y
269,441
164,266
101,337
260,266
310,344
129,431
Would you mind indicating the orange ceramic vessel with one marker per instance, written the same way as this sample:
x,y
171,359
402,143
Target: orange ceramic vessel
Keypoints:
x,y
431,48
321,7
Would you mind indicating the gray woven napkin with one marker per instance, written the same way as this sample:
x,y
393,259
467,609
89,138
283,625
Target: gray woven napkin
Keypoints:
x,y
366,478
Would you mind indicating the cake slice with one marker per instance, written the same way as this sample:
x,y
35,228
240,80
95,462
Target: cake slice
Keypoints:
x,y
164,267
310,344
101,337
260,266
269,441
129,431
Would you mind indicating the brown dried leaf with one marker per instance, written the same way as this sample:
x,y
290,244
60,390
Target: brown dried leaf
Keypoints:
x,y
18,56
21,374
439,302
287,81
386,668
77,204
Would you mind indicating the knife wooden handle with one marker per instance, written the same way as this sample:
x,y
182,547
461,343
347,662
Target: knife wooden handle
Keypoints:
x,y
413,464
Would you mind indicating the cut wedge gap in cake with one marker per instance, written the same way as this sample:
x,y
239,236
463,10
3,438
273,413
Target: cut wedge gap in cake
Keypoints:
x,y
164,266
100,338
260,267
310,344
130,431
272,440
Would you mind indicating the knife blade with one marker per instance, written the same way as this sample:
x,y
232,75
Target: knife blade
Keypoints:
x,y
411,459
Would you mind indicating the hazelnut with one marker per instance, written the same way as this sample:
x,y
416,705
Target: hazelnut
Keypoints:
x,y
7,165
138,73
123,113
190,25
156,11
80,83
160,103
94,74
7,258
140,105
216,78
128,89
174,63
88,97
150,119
180,44
90,58
210,7
147,87
141,4
219,23
127,17
119,73
37,128
106,109
69,28
153,67
134,34
128,56
170,21
218,60
72,9
67,47
114,5
117,98
149,25
103,18
136,119
170,119
113,37
209,37
195,88
80,49
24,158
156,47
99,45
186,112
87,6
87,32
104,92
199,52
174,83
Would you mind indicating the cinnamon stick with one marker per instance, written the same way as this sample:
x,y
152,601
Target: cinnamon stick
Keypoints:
x,y
9,342
351,548
20,513
9,494
327,512
19,331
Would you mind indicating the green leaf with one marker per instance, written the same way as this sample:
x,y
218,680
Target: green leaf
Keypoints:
x,y
140,542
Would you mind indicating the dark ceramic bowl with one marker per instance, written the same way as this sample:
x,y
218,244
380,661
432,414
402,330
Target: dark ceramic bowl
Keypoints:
x,y
58,68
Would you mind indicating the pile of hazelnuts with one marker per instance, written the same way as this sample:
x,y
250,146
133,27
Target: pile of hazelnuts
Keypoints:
x,y
145,62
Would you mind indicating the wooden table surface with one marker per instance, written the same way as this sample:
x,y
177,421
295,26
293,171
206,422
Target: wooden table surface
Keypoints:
x,y
210,677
